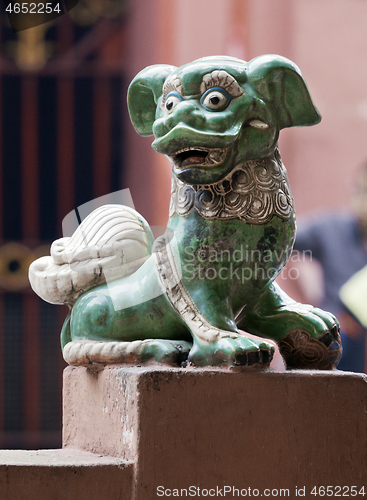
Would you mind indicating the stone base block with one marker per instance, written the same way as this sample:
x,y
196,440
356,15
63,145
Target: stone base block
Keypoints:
x,y
62,475
207,429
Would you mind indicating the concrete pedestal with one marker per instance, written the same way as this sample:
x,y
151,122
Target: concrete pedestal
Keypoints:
x,y
201,430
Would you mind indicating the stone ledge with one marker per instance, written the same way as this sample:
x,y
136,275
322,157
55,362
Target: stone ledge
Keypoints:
x,y
57,458
63,474
214,427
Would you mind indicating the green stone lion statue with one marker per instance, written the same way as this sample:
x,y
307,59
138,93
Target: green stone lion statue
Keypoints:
x,y
189,296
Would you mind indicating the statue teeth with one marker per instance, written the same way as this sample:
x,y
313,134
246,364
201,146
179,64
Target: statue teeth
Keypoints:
x,y
258,124
215,156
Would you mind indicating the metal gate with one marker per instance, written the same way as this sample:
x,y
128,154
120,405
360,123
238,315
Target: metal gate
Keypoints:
x,y
60,141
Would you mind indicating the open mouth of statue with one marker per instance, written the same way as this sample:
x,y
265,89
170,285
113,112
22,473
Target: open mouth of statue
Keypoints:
x,y
199,157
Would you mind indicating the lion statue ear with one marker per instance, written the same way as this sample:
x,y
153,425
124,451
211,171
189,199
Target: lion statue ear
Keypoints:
x,y
280,82
143,94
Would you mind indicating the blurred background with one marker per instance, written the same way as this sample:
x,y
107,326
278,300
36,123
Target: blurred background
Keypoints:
x,y
65,138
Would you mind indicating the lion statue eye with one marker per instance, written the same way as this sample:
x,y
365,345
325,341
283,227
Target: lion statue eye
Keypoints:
x,y
173,98
215,99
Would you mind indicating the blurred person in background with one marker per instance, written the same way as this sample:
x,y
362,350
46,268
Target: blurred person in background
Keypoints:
x,y
338,242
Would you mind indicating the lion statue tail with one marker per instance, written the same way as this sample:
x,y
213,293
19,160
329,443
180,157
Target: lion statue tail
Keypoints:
x,y
112,242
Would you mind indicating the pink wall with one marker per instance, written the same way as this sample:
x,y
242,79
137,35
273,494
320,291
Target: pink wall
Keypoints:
x,y
330,46
328,41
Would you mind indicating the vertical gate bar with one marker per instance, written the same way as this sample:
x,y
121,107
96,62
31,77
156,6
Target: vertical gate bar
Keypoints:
x,y
30,218
65,161
1,157
30,183
65,127
1,295
31,377
102,136
65,147
2,378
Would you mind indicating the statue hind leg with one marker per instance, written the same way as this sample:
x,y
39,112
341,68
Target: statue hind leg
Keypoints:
x,y
114,324
307,336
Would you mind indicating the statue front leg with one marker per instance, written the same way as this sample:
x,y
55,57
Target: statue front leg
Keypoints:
x,y
307,336
216,339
